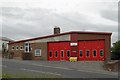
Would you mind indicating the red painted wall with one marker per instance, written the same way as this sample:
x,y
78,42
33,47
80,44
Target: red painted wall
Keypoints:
x,y
74,37
91,45
58,46
74,49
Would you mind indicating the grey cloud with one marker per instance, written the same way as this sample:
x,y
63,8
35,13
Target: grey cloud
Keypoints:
x,y
82,22
22,31
110,14
110,10
36,22
11,12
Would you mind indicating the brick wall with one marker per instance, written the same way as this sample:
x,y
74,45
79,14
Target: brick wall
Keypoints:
x,y
17,53
43,47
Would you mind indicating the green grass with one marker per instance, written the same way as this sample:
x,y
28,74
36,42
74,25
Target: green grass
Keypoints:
x,y
29,75
7,76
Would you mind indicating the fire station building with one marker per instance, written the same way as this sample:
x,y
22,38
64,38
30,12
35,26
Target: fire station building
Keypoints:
x,y
86,46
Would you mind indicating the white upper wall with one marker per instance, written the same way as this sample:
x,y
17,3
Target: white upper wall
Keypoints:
x,y
5,43
56,38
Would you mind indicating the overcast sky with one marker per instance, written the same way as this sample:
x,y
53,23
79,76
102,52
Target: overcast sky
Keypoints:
x,y
23,19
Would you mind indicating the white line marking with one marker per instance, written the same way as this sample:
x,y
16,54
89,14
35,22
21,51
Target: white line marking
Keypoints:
x,y
40,71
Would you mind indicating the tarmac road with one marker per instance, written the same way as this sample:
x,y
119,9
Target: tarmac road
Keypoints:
x,y
14,67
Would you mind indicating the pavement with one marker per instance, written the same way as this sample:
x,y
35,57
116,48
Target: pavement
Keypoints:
x,y
62,69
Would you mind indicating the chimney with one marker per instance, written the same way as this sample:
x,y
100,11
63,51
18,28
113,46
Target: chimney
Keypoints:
x,y
56,30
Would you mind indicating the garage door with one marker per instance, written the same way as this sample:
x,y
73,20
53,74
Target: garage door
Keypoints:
x,y
58,51
91,50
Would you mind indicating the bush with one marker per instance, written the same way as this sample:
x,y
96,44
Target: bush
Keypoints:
x,y
115,51
115,56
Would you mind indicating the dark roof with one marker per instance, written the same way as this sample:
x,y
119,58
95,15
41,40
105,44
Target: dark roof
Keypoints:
x,y
78,32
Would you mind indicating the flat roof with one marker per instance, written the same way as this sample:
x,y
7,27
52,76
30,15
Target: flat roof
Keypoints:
x,y
71,32
6,39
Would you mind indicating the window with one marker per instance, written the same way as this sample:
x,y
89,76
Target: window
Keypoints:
x,y
21,48
26,44
68,53
50,53
17,47
3,45
101,53
56,53
38,52
27,47
13,47
62,53
94,53
87,53
81,53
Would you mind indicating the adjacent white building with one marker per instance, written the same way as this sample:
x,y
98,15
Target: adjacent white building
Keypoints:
x,y
4,41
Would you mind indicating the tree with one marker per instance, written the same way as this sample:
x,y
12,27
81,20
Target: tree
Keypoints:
x,y
116,51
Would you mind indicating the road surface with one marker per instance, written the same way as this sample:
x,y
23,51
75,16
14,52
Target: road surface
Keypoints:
x,y
16,68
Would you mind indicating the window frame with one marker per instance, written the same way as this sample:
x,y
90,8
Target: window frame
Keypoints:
x,y
93,53
80,53
55,54
103,52
69,53
62,54
86,53
50,53
17,47
40,54
27,46
13,47
21,48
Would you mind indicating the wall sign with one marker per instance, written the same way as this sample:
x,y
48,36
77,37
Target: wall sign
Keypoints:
x,y
73,44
